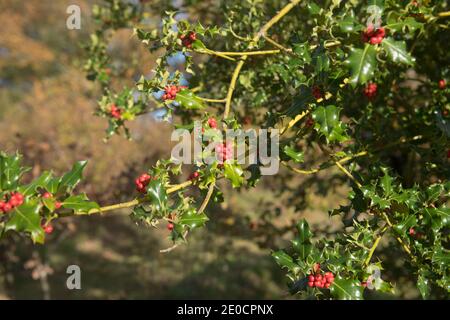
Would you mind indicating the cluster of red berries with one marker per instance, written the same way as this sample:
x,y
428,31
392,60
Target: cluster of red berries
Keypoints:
x,y
212,123
142,182
372,35
14,200
320,281
188,39
48,195
224,151
316,92
370,91
415,234
115,112
442,84
170,92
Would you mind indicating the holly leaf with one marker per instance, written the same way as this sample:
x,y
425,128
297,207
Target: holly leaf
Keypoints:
x,y
285,261
396,50
192,219
423,286
346,289
79,203
328,124
188,100
40,182
10,171
26,219
158,195
296,156
362,63
234,173
301,243
70,180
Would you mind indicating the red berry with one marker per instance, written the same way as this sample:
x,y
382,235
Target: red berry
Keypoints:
x,y
310,284
316,92
212,123
309,122
370,91
448,154
327,285
194,175
48,229
311,278
58,205
412,231
170,226
442,84
7,207
373,36
47,195
364,284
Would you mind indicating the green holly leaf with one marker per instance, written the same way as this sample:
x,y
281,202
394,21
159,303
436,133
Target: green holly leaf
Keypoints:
x,y
405,224
346,289
70,180
296,156
348,24
188,100
301,243
158,195
79,203
26,219
40,182
423,286
362,63
285,261
328,124
396,50
386,182
10,171
192,219
397,24
234,173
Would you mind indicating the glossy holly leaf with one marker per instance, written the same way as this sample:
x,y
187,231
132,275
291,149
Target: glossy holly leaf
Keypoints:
x,y
188,100
397,24
386,182
348,24
346,289
79,203
441,257
437,217
285,261
301,243
192,219
423,286
296,156
396,50
328,124
40,182
362,63
158,195
26,219
10,171
403,227
234,173
70,180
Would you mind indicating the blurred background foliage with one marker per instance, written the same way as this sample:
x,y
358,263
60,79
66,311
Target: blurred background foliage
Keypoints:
x,y
42,87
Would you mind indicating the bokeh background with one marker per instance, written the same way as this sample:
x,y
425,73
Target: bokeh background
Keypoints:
x,y
46,107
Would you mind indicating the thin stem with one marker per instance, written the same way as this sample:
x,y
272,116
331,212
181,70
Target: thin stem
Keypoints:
x,y
444,14
214,53
348,174
200,210
403,244
255,39
132,203
374,246
294,121
276,44
248,53
213,100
